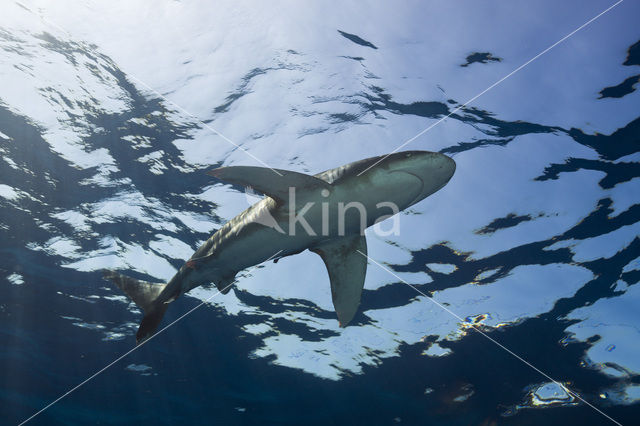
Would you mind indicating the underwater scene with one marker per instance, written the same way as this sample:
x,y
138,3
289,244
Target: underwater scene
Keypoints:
x,y
504,293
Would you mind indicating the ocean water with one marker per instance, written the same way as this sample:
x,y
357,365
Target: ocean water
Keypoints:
x,y
110,115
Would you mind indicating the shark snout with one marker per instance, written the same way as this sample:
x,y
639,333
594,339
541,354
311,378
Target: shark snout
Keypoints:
x,y
429,166
438,172
433,169
448,166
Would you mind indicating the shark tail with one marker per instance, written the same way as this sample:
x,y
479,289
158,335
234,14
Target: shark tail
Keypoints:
x,y
145,295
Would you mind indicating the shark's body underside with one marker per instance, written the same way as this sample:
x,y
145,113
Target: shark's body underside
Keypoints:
x,y
326,213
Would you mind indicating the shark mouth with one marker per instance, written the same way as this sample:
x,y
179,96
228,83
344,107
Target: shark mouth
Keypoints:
x,y
420,189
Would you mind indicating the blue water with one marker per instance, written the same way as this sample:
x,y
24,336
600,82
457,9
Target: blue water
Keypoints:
x,y
201,371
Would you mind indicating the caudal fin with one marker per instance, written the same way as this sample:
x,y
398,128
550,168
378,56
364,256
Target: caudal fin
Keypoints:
x,y
150,322
144,295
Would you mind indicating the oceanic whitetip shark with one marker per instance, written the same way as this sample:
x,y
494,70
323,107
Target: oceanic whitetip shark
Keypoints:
x,y
326,213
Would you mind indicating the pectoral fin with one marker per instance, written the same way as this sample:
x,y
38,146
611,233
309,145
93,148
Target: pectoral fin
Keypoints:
x,y
274,183
346,263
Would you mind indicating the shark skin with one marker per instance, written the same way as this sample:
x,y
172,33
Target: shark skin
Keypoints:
x,y
326,213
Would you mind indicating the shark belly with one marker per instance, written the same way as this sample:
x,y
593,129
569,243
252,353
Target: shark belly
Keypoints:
x,y
240,244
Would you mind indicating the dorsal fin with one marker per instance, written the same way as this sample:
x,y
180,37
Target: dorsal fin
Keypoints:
x,y
274,183
346,262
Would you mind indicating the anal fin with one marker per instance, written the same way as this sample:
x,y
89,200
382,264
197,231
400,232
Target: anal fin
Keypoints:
x,y
225,284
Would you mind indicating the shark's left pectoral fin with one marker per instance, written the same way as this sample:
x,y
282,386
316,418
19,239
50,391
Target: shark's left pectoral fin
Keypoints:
x,y
346,262
274,183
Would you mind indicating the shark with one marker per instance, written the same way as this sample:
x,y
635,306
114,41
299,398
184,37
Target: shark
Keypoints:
x,y
326,213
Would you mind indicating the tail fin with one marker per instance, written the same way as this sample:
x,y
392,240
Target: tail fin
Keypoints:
x,y
144,295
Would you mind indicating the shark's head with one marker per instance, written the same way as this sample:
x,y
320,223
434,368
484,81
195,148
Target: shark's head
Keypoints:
x,y
412,176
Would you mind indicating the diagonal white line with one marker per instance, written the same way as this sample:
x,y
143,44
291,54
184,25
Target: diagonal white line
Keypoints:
x,y
408,141
97,373
133,77
493,340
275,171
